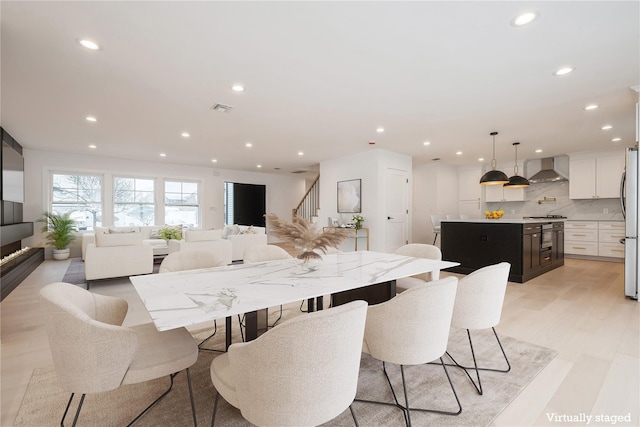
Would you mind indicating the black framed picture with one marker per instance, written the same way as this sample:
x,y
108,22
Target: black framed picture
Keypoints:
x,y
349,196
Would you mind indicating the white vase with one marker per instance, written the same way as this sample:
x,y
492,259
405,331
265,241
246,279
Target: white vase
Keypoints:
x,y
61,254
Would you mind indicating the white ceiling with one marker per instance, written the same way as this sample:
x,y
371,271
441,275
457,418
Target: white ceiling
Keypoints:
x,y
320,78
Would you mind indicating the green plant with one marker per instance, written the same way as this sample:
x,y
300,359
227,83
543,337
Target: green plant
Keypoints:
x,y
170,233
59,228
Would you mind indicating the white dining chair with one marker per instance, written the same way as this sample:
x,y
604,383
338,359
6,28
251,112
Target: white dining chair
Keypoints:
x,y
412,329
93,353
435,223
303,372
479,306
418,250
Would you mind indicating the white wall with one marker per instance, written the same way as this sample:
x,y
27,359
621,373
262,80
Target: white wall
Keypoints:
x,y
283,192
435,192
370,167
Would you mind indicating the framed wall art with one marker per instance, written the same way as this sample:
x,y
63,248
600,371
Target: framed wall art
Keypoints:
x,y
349,196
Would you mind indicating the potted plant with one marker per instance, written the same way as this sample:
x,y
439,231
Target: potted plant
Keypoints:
x,y
60,232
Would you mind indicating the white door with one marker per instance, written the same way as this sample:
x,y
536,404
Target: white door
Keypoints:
x,y
397,209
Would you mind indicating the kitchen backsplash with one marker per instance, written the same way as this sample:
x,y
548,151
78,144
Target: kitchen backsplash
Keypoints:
x,y
554,200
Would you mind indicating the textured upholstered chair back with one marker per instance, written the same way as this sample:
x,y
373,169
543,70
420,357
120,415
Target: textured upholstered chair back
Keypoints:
x,y
261,253
91,351
422,250
303,371
413,327
480,297
189,260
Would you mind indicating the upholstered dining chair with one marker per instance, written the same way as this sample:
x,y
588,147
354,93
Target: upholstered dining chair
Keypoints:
x,y
412,329
418,250
435,223
303,372
479,306
262,253
189,260
193,260
93,353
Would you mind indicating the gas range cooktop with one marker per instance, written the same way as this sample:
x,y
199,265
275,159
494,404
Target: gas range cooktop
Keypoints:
x,y
546,217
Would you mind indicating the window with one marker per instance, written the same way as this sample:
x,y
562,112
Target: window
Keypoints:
x,y
182,203
133,201
79,194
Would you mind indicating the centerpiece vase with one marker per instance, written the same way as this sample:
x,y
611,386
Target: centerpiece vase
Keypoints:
x,y
310,260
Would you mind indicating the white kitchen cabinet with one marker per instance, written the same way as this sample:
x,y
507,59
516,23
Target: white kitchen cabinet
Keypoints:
x,y
595,176
594,238
469,192
499,193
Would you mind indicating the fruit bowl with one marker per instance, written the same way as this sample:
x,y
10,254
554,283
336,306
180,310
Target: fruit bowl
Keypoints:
x,y
494,214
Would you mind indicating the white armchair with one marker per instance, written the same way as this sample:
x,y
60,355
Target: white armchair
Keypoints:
x,y
117,255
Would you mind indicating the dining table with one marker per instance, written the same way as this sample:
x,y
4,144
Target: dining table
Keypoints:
x,y
187,298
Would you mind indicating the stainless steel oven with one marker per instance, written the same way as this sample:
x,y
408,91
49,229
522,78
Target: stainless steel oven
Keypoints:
x,y
546,243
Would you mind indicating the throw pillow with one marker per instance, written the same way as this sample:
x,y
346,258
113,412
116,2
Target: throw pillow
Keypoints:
x,y
123,230
230,230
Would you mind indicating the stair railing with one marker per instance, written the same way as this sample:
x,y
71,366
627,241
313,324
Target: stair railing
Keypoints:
x,y
310,203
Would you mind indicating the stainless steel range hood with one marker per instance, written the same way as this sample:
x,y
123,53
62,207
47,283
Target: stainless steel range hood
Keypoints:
x,y
548,173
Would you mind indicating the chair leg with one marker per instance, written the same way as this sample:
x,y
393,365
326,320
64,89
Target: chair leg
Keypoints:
x,y
405,407
215,409
278,319
478,385
353,415
162,396
75,419
193,405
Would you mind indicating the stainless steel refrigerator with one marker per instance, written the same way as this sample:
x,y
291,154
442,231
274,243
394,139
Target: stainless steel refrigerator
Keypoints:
x,y
629,201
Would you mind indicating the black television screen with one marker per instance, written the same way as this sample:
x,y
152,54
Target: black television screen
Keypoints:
x,y
12,175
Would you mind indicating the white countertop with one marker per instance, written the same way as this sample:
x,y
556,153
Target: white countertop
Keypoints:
x,y
507,220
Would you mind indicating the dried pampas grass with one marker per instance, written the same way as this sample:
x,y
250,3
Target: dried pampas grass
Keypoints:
x,y
304,235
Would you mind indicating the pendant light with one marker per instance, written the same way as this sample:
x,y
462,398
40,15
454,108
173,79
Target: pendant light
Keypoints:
x,y
517,181
494,177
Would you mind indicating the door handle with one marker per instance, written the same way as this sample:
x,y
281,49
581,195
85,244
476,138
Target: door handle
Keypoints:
x,y
389,217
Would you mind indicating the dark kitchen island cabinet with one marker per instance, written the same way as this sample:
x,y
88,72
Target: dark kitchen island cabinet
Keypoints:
x,y
532,247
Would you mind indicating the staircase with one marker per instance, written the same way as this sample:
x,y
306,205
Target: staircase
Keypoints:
x,y
310,203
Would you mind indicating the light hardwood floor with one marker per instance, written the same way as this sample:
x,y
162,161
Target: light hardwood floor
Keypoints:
x,y
579,310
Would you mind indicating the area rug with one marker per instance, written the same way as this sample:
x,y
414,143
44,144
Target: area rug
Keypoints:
x,y
44,401
75,272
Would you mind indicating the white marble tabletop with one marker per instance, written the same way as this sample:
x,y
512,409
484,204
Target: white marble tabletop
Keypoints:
x,y
190,297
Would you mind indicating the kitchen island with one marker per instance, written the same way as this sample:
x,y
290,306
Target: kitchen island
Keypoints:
x,y
532,246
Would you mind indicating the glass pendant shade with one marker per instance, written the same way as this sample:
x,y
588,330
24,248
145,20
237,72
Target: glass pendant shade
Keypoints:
x,y
517,181
494,176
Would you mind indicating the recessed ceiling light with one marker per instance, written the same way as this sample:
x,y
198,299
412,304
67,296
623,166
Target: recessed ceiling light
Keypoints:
x,y
606,127
214,160
91,119
524,19
88,44
300,153
185,134
92,146
562,71
258,166
458,153
481,159
591,107
426,143
380,130
248,145
163,155
237,88
539,150
616,139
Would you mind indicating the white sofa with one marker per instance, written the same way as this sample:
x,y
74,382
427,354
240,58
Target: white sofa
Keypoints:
x,y
117,255
204,240
237,238
147,233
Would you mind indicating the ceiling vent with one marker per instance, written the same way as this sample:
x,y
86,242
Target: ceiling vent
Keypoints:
x,y
222,107
300,171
